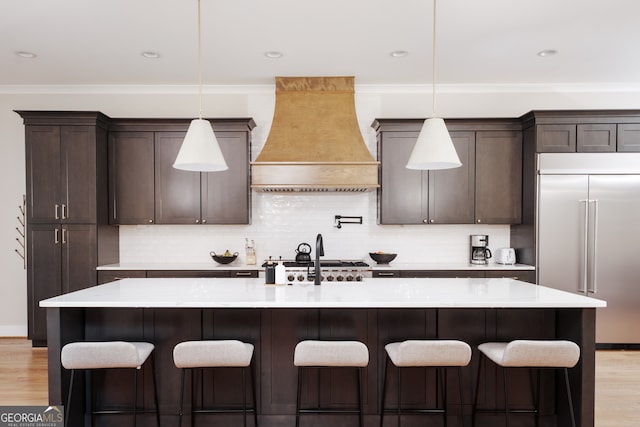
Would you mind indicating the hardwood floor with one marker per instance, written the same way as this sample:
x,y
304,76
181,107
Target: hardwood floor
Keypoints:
x,y
23,381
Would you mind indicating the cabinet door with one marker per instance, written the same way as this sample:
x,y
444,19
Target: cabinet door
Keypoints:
x,y
556,138
403,192
43,173
177,192
226,194
498,177
78,177
131,178
452,191
79,258
629,137
596,138
43,274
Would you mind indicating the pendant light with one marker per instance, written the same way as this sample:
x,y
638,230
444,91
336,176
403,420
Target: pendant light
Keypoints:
x,y
200,151
434,148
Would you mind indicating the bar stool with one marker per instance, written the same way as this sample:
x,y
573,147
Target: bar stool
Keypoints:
x,y
190,355
439,354
110,355
533,354
330,354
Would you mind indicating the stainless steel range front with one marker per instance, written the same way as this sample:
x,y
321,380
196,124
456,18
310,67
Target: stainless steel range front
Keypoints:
x,y
330,271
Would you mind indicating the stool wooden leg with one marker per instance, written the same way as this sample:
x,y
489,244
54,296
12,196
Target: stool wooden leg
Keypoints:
x,y
155,389
244,397
298,394
474,409
442,373
180,409
253,391
461,395
506,397
399,371
384,389
135,396
66,418
566,382
360,418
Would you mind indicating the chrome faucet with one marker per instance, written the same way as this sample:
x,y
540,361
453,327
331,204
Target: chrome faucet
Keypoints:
x,y
319,252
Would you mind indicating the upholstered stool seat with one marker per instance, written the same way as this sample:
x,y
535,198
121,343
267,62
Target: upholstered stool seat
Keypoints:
x,y
110,355
191,355
534,354
330,354
439,354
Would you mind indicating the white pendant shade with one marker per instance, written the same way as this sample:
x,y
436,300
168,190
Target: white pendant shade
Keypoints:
x,y
200,150
434,148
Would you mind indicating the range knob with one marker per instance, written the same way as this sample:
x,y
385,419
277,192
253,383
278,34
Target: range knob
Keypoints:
x,y
340,278
330,278
300,277
291,277
359,278
350,278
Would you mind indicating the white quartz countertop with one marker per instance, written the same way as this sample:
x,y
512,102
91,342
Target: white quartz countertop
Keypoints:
x,y
371,293
202,266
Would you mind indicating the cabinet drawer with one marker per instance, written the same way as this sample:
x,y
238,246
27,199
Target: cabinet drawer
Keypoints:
x,y
629,137
556,138
445,274
386,273
105,276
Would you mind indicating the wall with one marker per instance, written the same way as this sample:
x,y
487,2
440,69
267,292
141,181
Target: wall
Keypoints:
x,y
280,222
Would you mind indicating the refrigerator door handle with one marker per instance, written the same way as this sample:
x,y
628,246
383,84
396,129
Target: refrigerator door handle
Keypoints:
x,y
585,249
594,261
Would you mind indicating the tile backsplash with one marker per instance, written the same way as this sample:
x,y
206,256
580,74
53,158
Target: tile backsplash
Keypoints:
x,y
282,221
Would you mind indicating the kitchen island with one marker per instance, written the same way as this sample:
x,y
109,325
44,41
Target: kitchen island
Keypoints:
x,y
275,318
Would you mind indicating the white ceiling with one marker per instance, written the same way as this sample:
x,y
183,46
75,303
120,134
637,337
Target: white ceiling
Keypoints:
x,y
480,42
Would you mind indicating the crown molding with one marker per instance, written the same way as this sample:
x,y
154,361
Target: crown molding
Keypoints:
x,y
367,89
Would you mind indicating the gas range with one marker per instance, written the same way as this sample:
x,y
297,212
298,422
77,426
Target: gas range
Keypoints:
x,y
330,270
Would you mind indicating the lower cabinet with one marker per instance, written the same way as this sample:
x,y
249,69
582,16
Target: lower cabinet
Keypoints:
x,y
105,276
524,275
62,259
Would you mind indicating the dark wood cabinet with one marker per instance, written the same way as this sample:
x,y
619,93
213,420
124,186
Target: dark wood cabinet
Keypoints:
x,y
147,189
177,192
629,137
62,258
485,189
61,173
498,177
131,178
452,191
597,131
67,206
581,138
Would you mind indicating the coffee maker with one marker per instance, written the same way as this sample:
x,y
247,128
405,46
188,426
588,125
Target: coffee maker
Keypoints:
x,y
480,252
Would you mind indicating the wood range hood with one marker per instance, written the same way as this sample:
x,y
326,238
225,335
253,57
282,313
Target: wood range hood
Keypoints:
x,y
314,143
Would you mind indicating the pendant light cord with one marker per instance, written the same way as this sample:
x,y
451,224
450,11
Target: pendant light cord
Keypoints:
x,y
433,63
199,61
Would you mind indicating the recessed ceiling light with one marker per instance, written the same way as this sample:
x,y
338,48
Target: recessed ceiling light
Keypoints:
x,y
547,52
150,55
273,54
399,53
25,54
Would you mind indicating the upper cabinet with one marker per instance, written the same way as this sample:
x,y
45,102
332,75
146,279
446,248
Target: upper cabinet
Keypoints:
x,y
146,189
62,153
485,189
584,131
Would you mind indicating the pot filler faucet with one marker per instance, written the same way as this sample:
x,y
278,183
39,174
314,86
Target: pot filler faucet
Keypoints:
x,y
319,252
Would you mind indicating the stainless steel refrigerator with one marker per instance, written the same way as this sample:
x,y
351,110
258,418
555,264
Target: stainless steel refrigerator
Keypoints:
x,y
588,235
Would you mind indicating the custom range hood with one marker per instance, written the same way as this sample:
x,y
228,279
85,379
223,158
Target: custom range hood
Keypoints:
x,y
314,143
